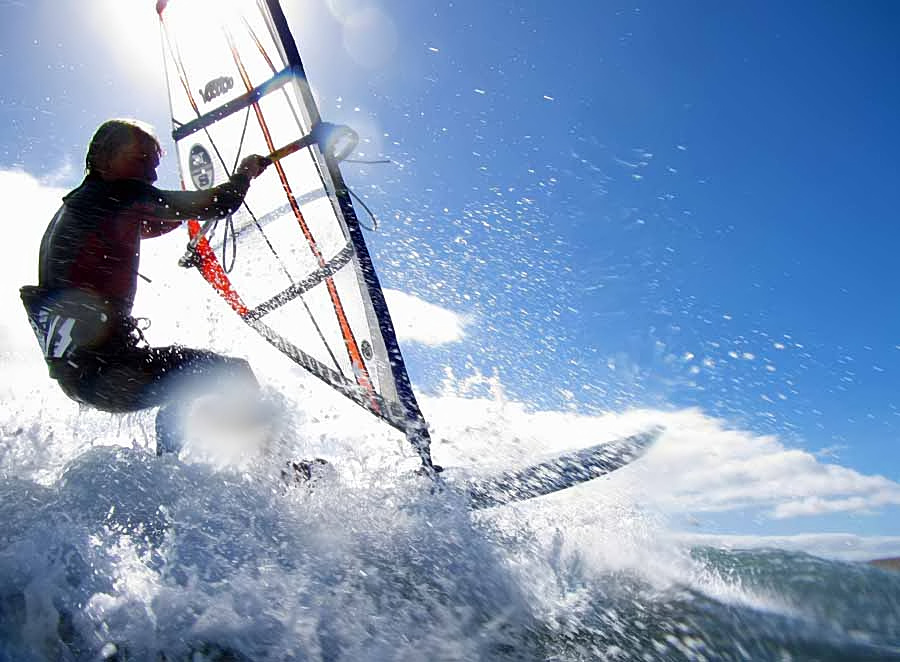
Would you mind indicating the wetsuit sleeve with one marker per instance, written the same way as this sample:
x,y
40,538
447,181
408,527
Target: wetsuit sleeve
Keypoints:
x,y
160,205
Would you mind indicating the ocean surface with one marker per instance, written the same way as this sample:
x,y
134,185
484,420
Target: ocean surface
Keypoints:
x,y
116,554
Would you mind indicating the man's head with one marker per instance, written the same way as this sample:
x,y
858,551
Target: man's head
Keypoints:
x,y
124,149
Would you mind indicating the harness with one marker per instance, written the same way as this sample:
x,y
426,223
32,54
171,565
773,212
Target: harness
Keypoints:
x,y
75,328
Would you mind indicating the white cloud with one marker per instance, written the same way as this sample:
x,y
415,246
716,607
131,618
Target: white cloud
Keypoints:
x,y
30,204
817,505
701,466
416,320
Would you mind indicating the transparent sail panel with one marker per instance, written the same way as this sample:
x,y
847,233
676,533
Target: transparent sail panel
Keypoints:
x,y
286,260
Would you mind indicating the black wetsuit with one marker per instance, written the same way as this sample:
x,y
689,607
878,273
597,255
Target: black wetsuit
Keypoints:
x,y
81,309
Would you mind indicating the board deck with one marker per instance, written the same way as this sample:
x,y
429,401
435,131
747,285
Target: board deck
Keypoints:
x,y
560,472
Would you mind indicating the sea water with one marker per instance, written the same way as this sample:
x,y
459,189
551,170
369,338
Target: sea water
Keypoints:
x,y
127,556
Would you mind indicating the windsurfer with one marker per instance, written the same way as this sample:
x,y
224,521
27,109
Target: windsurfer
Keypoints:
x,y
88,271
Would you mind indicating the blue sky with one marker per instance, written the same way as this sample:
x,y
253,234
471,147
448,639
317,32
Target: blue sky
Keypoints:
x,y
671,204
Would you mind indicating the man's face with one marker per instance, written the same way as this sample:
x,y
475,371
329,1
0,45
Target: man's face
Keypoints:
x,y
137,160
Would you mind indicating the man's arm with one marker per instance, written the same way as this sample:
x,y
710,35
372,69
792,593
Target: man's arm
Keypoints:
x,y
159,208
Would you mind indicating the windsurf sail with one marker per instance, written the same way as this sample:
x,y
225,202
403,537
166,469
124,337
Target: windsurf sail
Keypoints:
x,y
292,262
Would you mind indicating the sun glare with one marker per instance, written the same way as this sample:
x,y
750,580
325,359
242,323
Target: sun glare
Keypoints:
x,y
129,33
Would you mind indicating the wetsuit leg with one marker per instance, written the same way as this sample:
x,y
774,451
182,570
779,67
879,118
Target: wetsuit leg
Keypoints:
x,y
185,374
137,378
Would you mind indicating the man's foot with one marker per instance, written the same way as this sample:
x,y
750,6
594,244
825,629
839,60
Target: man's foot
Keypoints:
x,y
233,411
227,428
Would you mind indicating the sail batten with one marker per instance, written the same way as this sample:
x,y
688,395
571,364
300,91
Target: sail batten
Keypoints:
x,y
300,273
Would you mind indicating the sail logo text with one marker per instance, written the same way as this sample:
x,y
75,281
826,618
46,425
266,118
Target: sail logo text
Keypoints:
x,y
216,87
